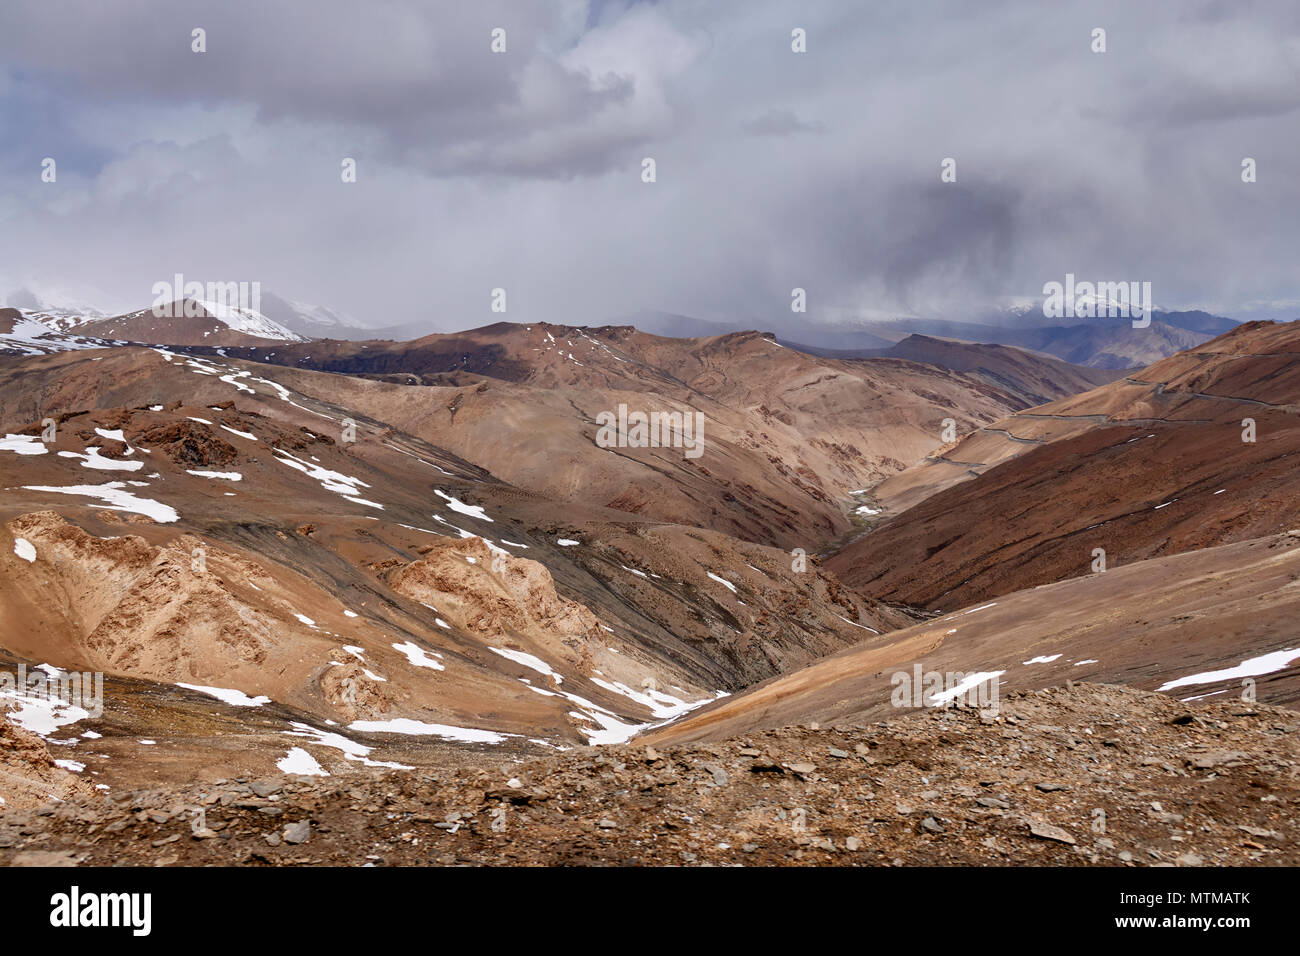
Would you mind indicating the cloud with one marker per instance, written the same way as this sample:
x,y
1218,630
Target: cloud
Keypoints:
x,y
779,122
775,169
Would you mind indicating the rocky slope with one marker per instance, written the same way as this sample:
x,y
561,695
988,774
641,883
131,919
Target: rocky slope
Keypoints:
x,y
1078,776
1209,623
219,547
1150,465
786,435
406,596
30,776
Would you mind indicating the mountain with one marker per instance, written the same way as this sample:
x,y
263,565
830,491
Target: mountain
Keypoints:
x,y
1150,475
202,527
411,567
1103,342
191,322
310,321
1031,313
786,436
39,333
1032,377
1099,343
1181,624
1196,321
1151,465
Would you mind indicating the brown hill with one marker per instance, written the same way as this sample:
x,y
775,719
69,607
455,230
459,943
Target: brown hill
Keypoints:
x,y
1184,624
189,322
1150,465
1034,378
197,523
787,436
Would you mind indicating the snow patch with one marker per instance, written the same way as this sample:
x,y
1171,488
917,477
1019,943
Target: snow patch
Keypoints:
x,y
235,698
417,728
1042,660
298,761
418,657
23,445
455,504
116,498
1251,667
723,581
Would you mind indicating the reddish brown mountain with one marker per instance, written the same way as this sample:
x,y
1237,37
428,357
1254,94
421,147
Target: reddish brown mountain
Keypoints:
x,y
787,436
1147,466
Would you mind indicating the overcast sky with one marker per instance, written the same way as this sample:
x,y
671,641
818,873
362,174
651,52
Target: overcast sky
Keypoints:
x,y
775,169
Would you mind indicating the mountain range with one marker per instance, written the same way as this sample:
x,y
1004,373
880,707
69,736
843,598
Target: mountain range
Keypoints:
x,y
330,558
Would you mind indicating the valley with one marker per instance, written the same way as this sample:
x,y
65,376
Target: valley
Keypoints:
x,y
364,561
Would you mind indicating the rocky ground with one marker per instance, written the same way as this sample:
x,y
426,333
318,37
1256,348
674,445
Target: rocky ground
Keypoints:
x,y
29,774
1075,775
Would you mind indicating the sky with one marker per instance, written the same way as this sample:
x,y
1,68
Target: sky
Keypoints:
x,y
774,169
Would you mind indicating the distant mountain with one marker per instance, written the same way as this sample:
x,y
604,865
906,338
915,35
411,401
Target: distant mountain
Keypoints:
x,y
55,302
1197,321
676,326
1025,314
192,322
1105,342
1096,343
62,311
1033,377
957,548
311,321
789,435
1113,346
39,333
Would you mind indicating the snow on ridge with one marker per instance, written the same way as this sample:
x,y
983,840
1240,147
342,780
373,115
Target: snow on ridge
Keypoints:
x,y
248,321
334,481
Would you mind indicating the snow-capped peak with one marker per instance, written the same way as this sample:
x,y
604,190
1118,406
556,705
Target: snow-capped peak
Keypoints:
x,y
62,320
248,321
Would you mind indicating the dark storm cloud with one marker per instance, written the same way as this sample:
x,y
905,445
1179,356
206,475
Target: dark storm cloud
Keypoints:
x,y
775,169
419,80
